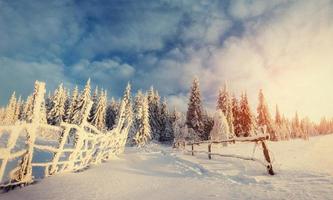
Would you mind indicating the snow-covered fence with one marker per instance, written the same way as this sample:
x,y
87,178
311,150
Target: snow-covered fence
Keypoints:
x,y
90,146
258,139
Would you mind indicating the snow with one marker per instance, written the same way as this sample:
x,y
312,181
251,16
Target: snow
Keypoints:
x,y
303,171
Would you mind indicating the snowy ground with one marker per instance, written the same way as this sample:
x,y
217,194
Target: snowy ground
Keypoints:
x,y
304,171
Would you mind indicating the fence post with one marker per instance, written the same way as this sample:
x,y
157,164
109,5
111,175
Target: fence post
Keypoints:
x,y
192,149
267,157
24,173
56,157
209,151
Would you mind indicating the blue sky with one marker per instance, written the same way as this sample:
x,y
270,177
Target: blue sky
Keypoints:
x,y
281,46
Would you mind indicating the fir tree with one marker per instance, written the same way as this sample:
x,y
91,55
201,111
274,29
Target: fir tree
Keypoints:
x,y
57,111
72,105
99,117
166,121
154,113
142,126
220,129
111,113
264,118
95,99
10,115
27,110
224,103
278,120
296,129
208,122
194,118
245,116
81,105
236,115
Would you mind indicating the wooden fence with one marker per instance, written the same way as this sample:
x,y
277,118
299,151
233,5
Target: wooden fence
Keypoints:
x,y
90,146
259,139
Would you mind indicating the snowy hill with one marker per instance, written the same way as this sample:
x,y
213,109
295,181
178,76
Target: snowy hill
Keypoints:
x,y
304,171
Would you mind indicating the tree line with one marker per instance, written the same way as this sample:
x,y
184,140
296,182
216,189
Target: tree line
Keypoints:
x,y
240,121
153,119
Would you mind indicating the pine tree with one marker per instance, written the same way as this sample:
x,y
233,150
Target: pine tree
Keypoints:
x,y
236,115
57,111
220,129
264,118
27,110
208,122
167,131
194,118
81,105
280,134
67,104
154,113
245,116
111,113
95,99
18,108
278,119
126,103
72,105
142,126
10,116
37,114
99,117
296,128
224,103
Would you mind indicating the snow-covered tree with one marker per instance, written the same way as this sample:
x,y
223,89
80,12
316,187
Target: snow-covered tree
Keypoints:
x,y
10,114
111,113
95,99
236,115
141,120
296,127
306,128
82,104
225,104
57,109
27,110
220,129
278,119
72,105
264,119
154,113
179,127
284,129
194,112
126,104
99,117
166,122
36,114
278,123
208,122
245,115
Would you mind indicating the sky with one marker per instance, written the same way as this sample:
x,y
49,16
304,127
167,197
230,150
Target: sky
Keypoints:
x,y
283,47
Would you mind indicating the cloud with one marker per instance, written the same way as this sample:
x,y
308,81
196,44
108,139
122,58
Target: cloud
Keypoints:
x,y
108,73
243,9
35,29
20,76
287,54
281,46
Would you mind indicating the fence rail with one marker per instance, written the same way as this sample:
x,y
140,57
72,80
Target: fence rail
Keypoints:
x,y
90,146
259,139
